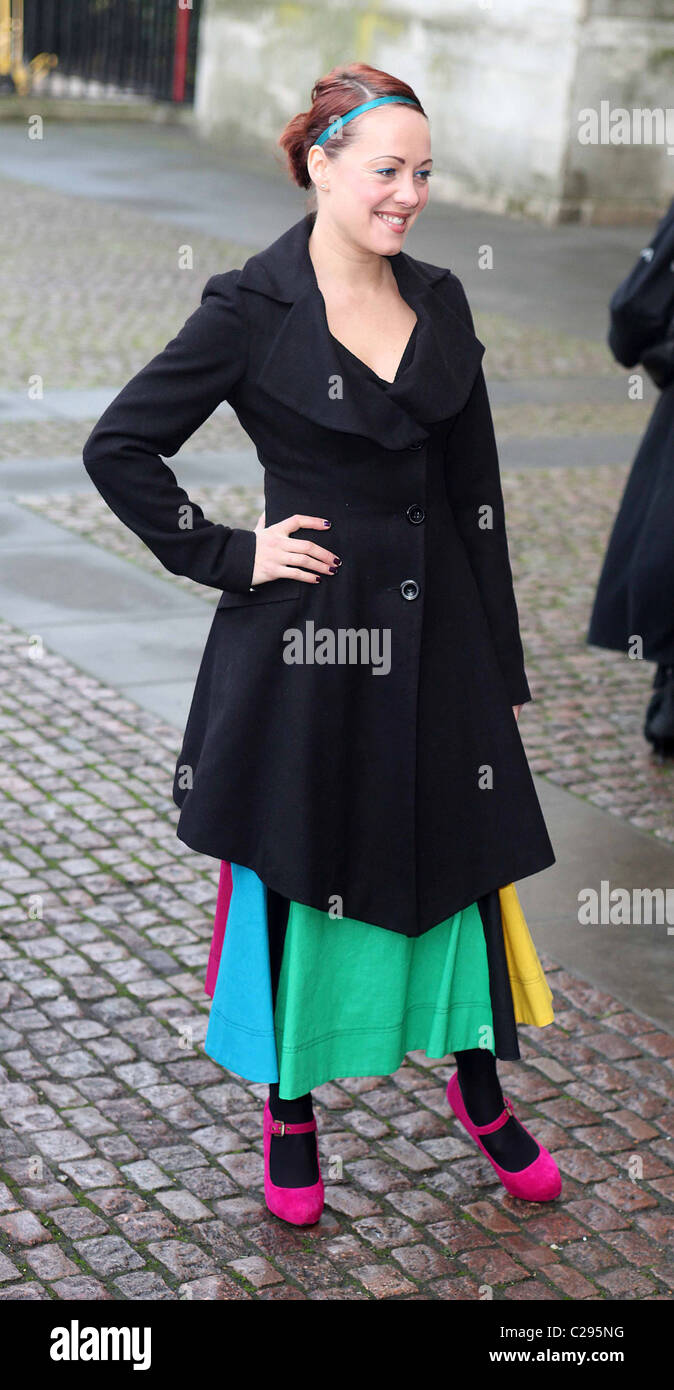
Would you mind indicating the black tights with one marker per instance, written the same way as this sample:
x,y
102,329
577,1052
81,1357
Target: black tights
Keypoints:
x,y
511,1146
292,1158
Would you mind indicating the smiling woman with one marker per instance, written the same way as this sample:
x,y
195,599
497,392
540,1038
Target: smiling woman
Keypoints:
x,y
369,815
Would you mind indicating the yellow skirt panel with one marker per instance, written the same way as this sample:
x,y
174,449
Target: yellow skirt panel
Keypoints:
x,y
532,996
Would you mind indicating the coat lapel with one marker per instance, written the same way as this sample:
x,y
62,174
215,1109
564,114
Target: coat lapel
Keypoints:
x,y
306,369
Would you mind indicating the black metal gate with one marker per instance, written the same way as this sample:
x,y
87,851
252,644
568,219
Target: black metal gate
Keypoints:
x,y
129,43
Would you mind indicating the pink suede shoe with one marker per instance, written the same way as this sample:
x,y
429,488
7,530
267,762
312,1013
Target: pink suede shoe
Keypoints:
x,y
541,1181
302,1206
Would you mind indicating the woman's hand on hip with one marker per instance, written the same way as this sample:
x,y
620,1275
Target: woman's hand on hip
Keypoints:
x,y
279,556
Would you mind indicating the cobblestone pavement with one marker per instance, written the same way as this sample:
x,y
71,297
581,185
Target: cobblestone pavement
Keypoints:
x,y
130,1163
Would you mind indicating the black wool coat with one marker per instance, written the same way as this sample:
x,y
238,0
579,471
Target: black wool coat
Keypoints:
x,y
635,591
394,796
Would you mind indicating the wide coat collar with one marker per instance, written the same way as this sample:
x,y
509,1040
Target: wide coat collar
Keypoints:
x,y
305,360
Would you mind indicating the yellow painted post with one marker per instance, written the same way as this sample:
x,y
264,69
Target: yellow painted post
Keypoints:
x,y
5,37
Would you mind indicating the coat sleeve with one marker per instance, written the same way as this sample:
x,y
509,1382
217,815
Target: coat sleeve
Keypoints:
x,y
153,415
473,481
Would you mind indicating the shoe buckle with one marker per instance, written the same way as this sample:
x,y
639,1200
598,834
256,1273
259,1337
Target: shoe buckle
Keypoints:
x,y
282,1130
508,1106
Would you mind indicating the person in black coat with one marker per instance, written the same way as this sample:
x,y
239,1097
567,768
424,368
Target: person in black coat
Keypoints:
x,y
633,608
352,746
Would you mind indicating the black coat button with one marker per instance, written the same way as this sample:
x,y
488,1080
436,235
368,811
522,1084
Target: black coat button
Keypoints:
x,y
415,514
409,588
420,445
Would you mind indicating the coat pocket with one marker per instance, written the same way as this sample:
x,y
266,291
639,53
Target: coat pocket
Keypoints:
x,y
268,592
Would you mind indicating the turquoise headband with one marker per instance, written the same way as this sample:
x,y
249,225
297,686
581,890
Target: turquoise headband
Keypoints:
x,y
339,121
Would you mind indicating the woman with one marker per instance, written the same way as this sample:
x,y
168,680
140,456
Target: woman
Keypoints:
x,y
633,608
352,749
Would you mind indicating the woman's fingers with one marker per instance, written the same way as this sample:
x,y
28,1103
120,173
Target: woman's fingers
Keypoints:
x,y
293,523
312,556
278,555
289,572
315,557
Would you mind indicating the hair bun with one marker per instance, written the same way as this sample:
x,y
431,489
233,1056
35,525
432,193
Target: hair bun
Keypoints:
x,y
332,96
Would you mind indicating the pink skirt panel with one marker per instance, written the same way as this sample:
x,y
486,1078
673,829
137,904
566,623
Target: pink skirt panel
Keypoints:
x,y
221,911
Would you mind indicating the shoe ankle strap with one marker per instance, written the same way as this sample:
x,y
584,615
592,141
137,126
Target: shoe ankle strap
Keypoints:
x,y
499,1122
281,1127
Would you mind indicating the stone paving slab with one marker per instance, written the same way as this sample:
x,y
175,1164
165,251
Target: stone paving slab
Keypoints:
x,y
82,404
55,585
149,650
53,474
584,450
168,698
631,960
596,391
57,405
131,1164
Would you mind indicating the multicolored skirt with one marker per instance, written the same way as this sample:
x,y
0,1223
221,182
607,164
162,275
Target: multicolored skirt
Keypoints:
x,y
300,997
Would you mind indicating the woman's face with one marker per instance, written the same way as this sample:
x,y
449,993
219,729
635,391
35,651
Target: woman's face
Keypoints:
x,y
385,169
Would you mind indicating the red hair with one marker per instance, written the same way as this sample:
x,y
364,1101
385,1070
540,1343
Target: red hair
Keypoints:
x,y
332,96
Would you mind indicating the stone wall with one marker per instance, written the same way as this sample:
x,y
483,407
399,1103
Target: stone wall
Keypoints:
x,y
503,81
